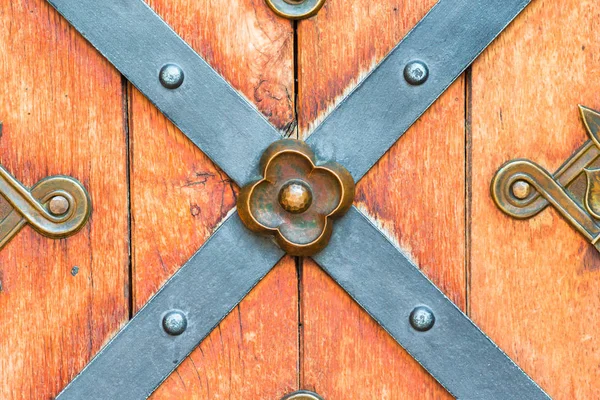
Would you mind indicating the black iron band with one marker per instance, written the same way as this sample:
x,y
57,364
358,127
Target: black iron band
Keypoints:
x,y
173,322
231,132
419,316
224,125
423,65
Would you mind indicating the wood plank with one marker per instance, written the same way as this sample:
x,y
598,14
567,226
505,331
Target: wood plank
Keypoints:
x,y
179,196
415,194
61,107
535,283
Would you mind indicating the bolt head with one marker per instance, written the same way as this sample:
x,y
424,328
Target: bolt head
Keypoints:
x,y
171,76
416,73
295,197
521,189
174,322
422,318
58,205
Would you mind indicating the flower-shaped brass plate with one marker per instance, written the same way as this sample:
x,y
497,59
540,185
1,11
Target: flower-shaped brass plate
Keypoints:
x,y
296,198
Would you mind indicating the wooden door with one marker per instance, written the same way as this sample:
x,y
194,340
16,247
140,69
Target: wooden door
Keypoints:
x,y
531,285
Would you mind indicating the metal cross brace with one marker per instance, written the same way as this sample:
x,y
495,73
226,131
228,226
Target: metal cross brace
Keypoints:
x,y
229,130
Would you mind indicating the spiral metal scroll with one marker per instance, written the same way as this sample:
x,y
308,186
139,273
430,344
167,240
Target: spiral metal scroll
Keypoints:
x,y
20,206
522,189
546,187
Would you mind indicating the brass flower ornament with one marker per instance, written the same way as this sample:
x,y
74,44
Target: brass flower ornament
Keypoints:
x,y
296,198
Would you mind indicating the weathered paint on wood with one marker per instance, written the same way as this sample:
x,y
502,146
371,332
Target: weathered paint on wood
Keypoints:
x,y
62,113
415,193
178,197
535,284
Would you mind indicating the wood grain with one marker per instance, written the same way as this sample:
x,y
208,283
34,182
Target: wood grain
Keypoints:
x,y
535,283
178,197
415,194
532,285
61,107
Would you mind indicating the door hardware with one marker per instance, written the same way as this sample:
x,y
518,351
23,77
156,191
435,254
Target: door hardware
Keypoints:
x,y
295,9
56,207
522,189
174,322
359,256
171,76
302,395
297,198
422,318
416,73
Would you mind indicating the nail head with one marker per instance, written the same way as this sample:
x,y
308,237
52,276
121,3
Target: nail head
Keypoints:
x,y
416,73
422,318
171,76
174,323
58,205
521,189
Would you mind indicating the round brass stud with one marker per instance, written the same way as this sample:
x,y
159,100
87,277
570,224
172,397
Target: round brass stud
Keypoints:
x,y
302,395
295,9
521,189
295,197
58,205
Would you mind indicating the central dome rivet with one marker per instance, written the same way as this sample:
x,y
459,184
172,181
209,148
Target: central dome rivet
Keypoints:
x,y
295,197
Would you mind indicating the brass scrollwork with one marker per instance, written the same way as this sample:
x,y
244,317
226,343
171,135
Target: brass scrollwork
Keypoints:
x,y
56,207
522,189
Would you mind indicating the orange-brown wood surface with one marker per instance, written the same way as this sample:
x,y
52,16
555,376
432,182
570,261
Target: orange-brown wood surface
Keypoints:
x,y
531,285
178,197
61,108
415,193
535,284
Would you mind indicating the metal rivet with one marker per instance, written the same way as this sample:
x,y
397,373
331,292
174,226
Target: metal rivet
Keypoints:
x,y
295,9
302,395
174,323
422,318
295,197
58,205
521,189
171,76
416,73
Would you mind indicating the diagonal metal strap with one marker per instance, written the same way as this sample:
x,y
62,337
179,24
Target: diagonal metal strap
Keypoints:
x,y
228,129
233,134
205,289
374,116
388,286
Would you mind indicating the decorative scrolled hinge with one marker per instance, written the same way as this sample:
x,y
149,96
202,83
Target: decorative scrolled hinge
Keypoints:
x,y
56,207
522,189
296,198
